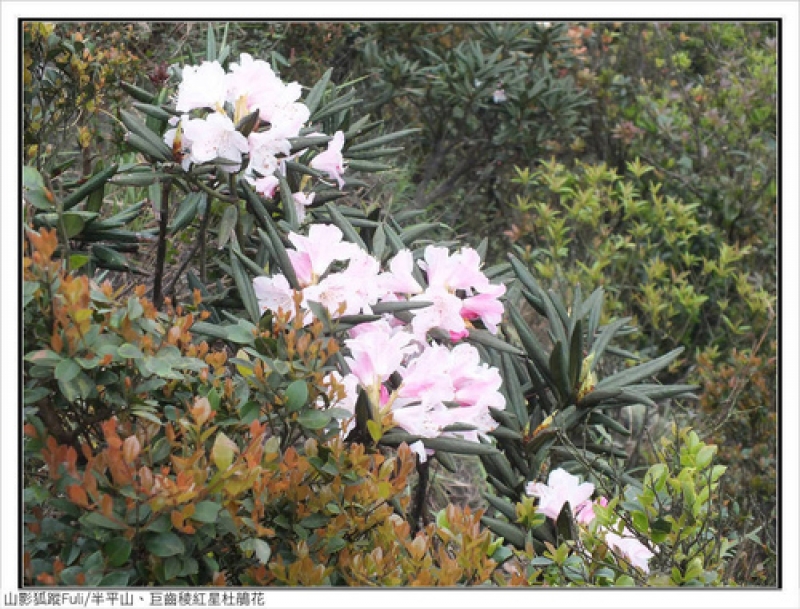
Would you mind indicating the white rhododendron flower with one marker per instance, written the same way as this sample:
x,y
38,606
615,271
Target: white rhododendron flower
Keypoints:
x,y
203,86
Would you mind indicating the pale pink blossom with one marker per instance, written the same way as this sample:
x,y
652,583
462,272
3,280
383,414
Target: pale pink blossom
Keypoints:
x,y
331,161
399,278
376,352
562,487
274,294
265,148
302,200
584,513
444,313
485,306
202,86
267,186
214,138
631,548
315,253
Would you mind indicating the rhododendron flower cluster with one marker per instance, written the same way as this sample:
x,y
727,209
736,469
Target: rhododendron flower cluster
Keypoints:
x,y
213,102
562,487
404,366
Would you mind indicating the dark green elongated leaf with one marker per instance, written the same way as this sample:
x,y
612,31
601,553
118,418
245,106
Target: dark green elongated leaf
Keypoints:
x,y
137,127
94,202
293,167
447,461
640,372
605,336
459,446
499,466
345,226
397,307
537,295
487,339
315,94
598,396
594,301
557,323
227,225
367,166
165,544
289,211
88,187
140,144
347,100
594,312
501,505
246,124
120,219
207,329
625,397
598,418
138,178
186,212
138,93
255,204
504,433
249,264
412,233
660,392
507,531
299,143
511,385
575,354
382,140
506,419
211,44
245,286
559,372
533,348
368,155
282,256
156,112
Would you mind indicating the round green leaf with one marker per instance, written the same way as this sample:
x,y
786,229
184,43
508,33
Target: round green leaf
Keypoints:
x,y
165,544
66,370
296,395
117,551
314,419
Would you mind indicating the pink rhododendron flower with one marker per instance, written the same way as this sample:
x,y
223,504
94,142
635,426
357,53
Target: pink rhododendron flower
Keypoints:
x,y
212,138
485,306
202,86
444,387
631,548
314,254
331,161
274,294
301,201
267,186
444,313
265,147
562,487
254,84
377,352
399,278
584,513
